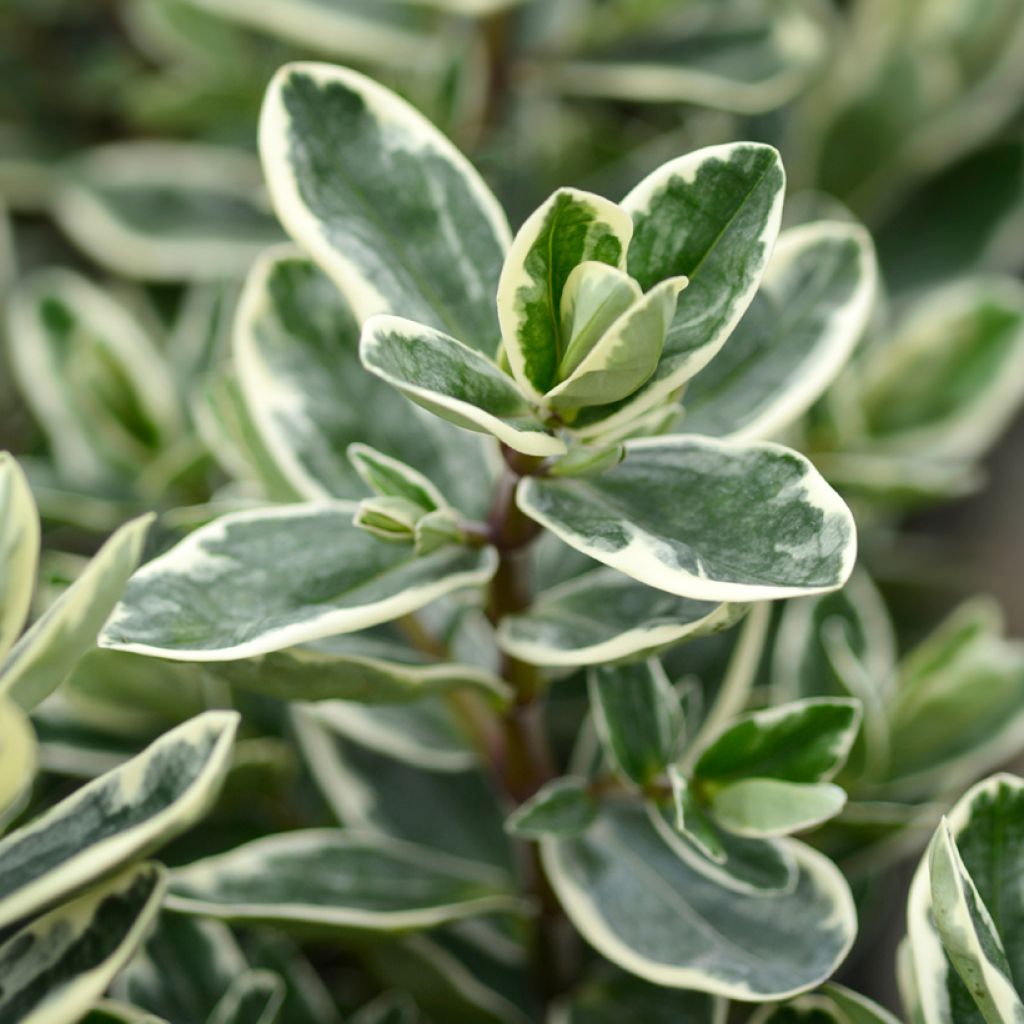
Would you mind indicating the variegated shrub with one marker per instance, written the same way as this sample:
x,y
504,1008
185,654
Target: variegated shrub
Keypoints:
x,y
495,593
451,403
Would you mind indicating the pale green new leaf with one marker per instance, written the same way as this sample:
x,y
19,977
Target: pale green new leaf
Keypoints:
x,y
805,741
562,807
296,348
122,815
711,216
643,907
18,759
570,228
454,382
46,654
390,477
706,519
259,581
604,616
795,337
166,211
19,550
638,718
625,356
91,376
985,825
765,808
58,966
621,997
969,934
338,880
254,997
383,202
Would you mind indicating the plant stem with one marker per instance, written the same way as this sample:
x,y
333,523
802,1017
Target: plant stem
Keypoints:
x,y
526,761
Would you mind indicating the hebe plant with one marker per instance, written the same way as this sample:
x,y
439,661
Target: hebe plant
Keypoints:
x,y
474,618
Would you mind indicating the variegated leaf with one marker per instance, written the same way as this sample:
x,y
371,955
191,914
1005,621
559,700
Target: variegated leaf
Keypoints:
x,y
259,581
763,808
296,347
383,202
640,905
19,550
46,654
795,337
58,966
711,216
254,997
705,519
18,759
339,880
119,816
166,211
570,228
454,382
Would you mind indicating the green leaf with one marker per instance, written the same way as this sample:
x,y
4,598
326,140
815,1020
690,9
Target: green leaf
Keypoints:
x,y
258,581
956,710
389,1008
746,865
711,216
383,202
44,656
705,519
376,780
640,905
17,760
985,825
562,807
582,460
795,337
254,997
453,382
58,966
626,354
952,378
570,228
620,997
801,664
603,616
92,377
745,58
334,880
764,808
166,211
203,952
638,718
122,815
19,551
805,741
389,477
331,673
969,934
296,346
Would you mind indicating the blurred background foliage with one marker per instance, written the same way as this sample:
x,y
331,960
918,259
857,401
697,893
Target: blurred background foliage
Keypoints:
x,y
127,161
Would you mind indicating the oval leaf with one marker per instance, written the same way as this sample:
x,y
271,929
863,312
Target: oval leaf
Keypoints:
x,y
258,581
705,519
